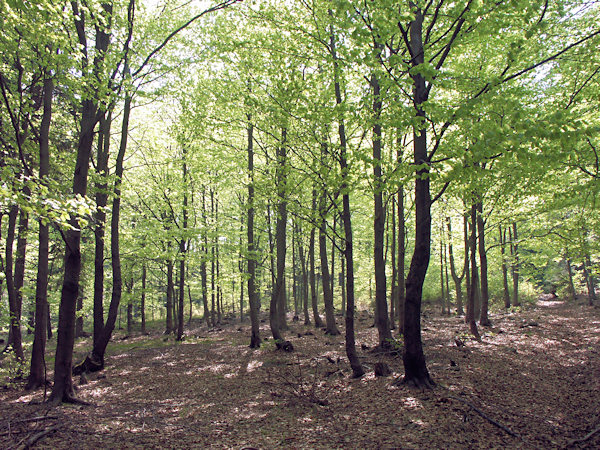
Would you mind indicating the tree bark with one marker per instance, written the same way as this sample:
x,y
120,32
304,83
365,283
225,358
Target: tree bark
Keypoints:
x,y
505,290
381,307
37,372
514,250
143,299
252,297
311,257
483,318
330,326
470,318
277,306
182,245
357,368
415,368
14,336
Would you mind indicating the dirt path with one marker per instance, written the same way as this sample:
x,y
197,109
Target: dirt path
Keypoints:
x,y
536,373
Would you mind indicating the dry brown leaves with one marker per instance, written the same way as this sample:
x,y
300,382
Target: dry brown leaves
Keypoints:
x,y
537,373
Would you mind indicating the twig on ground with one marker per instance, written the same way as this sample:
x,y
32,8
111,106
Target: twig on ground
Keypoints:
x,y
33,419
486,417
584,438
36,437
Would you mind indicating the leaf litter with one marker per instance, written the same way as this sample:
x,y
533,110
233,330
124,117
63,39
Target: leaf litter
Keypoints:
x,y
533,381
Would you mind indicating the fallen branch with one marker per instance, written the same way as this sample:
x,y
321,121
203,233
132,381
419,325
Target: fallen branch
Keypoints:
x,y
33,419
583,439
36,437
486,417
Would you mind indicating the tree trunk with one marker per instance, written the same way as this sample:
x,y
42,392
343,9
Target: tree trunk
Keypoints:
x,y
63,383
401,258
170,292
483,318
470,318
381,308
182,245
505,291
277,306
330,326
415,368
591,283
311,257
514,251
203,268
143,299
571,285
14,336
304,273
357,369
37,373
252,297
100,223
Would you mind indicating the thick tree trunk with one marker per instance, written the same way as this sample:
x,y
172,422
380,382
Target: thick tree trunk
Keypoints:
x,y
62,390
483,318
415,368
37,373
381,308
252,297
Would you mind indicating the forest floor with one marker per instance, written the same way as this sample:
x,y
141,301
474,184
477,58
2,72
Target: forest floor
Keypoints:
x,y
532,382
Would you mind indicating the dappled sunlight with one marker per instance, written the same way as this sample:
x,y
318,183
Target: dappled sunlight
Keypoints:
x,y
411,403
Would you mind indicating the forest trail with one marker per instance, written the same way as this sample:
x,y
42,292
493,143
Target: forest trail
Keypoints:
x,y
536,373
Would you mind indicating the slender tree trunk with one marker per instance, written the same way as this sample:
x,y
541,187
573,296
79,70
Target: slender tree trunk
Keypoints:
x,y
129,287
330,326
213,317
295,275
37,373
401,258
505,290
182,244
381,308
277,307
357,369
203,268
514,250
394,290
483,318
455,277
471,318
304,278
442,284
170,292
143,299
311,257
591,284
252,296
14,336
571,285
100,223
